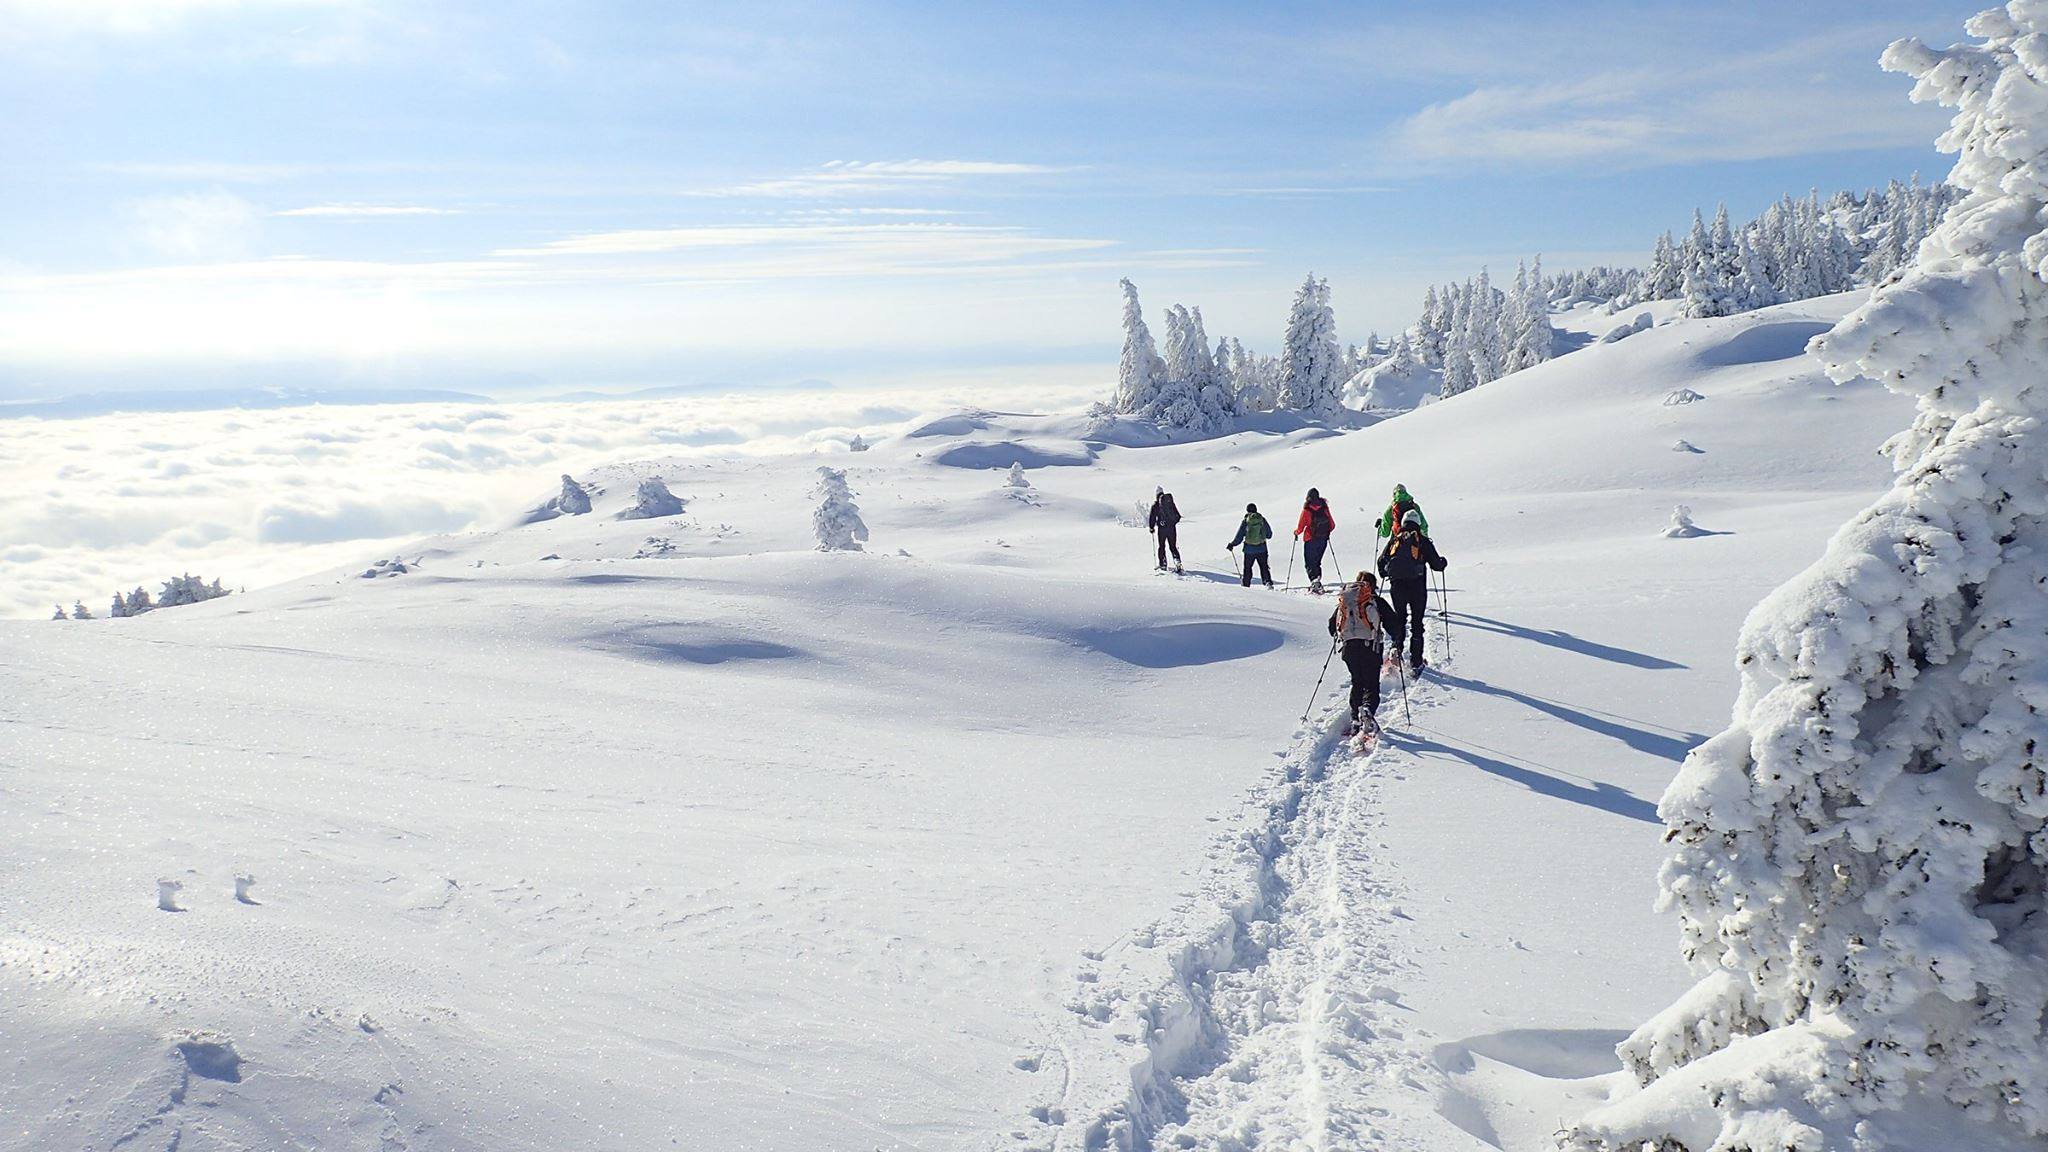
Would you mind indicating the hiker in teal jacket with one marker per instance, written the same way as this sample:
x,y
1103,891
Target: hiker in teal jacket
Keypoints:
x,y
1253,532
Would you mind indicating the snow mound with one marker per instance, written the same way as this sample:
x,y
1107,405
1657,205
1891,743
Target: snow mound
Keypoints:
x,y
1763,344
1182,645
1003,453
1681,396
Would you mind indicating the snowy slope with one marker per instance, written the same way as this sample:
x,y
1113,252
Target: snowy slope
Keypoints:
x,y
607,833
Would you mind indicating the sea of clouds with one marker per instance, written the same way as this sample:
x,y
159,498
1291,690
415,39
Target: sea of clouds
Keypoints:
x,y
114,502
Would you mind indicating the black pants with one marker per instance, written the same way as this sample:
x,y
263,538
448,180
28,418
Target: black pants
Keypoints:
x,y
1169,537
1312,556
1411,600
1265,567
1362,658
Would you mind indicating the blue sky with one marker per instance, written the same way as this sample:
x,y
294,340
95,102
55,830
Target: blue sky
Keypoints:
x,y
512,195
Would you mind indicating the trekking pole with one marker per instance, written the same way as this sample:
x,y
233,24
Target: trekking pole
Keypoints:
x,y
1289,582
1443,587
1319,682
1401,666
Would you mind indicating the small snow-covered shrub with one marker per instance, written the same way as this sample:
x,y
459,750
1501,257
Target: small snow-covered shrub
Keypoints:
x,y
188,589
837,521
1860,861
857,444
1017,478
1683,446
1681,525
1682,396
651,501
394,566
572,500
60,614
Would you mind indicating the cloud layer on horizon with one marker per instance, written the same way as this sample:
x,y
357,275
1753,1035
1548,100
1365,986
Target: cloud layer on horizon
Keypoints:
x,y
257,497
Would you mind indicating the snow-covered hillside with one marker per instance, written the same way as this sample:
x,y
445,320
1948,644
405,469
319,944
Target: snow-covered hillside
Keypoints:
x,y
623,833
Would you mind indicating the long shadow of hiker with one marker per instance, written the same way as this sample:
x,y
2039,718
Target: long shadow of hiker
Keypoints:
x,y
1605,797
1566,641
1641,739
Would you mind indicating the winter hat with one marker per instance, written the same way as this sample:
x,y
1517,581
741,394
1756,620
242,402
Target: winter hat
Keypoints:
x,y
1160,491
1314,495
1411,519
1251,508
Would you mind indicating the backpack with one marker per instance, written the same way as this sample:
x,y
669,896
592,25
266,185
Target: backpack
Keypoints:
x,y
1256,530
1320,522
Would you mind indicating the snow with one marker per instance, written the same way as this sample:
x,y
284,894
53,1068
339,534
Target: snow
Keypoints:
x,y
986,837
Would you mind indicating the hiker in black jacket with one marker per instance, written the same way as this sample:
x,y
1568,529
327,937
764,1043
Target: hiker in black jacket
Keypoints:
x,y
1165,525
1406,562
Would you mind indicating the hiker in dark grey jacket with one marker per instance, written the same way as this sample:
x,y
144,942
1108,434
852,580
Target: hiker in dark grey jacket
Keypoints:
x,y
1165,525
1406,562
1253,532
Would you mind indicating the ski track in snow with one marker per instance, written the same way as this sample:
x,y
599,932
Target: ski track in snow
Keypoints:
x,y
1279,1024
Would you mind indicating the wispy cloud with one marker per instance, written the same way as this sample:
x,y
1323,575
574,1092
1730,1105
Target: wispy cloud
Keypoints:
x,y
840,178
834,249
1745,106
364,211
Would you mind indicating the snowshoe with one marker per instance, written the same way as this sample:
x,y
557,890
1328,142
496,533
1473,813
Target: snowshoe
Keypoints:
x,y
1417,667
1179,571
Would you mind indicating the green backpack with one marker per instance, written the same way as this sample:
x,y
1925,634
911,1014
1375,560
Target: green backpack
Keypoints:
x,y
1256,530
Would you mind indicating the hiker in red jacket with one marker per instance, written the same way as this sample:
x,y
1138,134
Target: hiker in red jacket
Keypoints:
x,y
1314,530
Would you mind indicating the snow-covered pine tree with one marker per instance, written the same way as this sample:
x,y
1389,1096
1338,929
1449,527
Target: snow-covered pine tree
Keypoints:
x,y
857,444
1308,361
1666,277
1188,360
1861,859
119,608
1016,478
80,612
1457,353
60,614
1528,327
139,602
1140,371
1752,286
837,521
1482,331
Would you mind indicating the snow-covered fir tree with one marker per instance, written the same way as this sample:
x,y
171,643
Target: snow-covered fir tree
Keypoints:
x,y
1140,370
119,608
1309,380
139,602
837,521
80,612
1016,477
857,444
60,614
1861,859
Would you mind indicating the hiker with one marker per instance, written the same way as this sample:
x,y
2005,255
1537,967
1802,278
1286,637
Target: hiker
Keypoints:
x,y
1253,532
1401,505
1359,624
1406,562
1164,523
1314,529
